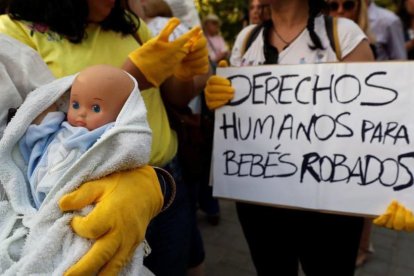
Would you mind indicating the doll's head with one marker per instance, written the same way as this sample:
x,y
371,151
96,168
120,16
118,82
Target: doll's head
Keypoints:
x,y
97,96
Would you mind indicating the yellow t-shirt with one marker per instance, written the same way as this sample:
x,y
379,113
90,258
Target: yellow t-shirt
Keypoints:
x,y
99,47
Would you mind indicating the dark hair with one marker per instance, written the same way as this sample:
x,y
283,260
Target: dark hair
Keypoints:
x,y
316,7
3,6
69,17
404,15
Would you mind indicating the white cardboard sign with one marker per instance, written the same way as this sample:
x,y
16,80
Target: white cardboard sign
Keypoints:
x,y
332,137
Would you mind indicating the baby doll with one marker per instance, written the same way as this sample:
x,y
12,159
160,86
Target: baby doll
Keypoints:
x,y
55,139
94,125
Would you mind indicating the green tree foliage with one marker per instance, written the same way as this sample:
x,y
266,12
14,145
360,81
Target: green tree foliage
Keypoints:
x,y
389,4
230,12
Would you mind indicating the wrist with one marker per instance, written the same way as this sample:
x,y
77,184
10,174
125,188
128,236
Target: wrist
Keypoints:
x,y
132,69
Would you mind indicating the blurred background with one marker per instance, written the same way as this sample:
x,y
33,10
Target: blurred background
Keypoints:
x,y
233,13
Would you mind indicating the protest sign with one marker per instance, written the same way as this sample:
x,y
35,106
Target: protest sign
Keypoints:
x,y
332,137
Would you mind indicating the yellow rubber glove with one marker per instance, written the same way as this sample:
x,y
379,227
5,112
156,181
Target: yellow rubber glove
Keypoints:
x,y
158,58
125,202
196,62
396,217
218,90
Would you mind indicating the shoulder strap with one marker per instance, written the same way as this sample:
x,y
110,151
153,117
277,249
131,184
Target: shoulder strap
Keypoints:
x,y
137,38
252,35
331,25
211,44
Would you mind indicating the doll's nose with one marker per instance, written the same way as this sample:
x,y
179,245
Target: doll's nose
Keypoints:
x,y
82,113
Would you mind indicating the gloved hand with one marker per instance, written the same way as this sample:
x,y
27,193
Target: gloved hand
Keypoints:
x,y
196,62
125,202
218,90
158,58
396,217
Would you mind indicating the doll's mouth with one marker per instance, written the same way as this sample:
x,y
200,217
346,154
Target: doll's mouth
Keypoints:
x,y
80,123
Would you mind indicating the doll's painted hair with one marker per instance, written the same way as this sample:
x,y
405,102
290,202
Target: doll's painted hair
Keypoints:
x,y
69,17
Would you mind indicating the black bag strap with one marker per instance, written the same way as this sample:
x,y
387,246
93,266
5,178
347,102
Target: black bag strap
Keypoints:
x,y
271,54
251,37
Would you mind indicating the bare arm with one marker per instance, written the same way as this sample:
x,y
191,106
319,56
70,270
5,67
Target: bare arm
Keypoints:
x,y
130,67
409,45
362,52
179,93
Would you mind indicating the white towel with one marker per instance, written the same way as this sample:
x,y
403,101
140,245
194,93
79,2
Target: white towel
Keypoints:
x,y
41,241
21,71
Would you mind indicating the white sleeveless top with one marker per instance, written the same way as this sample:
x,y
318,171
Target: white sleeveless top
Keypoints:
x,y
298,52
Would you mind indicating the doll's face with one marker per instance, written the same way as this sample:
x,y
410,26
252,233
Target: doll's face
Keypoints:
x,y
97,96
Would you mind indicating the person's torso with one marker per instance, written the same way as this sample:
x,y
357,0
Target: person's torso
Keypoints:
x,y
216,46
380,23
99,47
298,51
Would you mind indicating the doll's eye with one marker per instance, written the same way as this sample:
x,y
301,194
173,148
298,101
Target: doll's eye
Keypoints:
x,y
75,105
96,108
